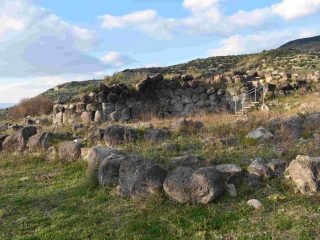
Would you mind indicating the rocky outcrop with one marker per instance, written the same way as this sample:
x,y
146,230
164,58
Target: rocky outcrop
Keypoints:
x,y
304,171
186,184
260,134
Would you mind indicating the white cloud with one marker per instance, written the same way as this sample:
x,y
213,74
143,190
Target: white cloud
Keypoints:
x,y
206,17
293,9
34,41
147,21
251,43
116,59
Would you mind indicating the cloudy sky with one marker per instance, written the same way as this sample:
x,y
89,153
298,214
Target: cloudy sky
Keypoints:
x,y
47,42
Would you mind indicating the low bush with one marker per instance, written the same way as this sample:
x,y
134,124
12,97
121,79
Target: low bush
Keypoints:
x,y
31,107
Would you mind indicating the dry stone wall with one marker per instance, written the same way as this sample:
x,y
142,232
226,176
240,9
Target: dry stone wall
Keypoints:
x,y
155,96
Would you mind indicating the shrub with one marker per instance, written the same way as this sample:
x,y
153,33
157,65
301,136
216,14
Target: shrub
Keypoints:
x,y
31,107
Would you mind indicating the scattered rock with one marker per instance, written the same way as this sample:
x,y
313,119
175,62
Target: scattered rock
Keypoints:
x,y
140,177
156,134
259,168
305,173
256,204
231,173
117,134
186,161
277,167
18,141
186,184
52,154
260,134
40,141
62,99
232,190
69,151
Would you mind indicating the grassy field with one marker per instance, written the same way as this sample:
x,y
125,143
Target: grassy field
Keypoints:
x,y
53,200
41,200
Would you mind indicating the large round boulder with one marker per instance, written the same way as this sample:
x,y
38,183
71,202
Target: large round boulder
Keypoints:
x,y
304,171
188,185
139,177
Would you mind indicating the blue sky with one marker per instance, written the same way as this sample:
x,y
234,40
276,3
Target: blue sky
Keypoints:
x,y
47,42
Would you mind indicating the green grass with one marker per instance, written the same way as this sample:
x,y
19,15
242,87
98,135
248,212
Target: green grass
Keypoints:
x,y
42,200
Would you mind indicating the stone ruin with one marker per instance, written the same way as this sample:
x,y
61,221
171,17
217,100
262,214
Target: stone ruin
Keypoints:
x,y
155,96
181,96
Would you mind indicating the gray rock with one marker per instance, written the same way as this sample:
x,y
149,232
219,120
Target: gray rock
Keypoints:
x,y
2,138
277,167
125,114
156,134
18,141
260,134
187,185
115,116
69,151
140,177
292,128
51,154
259,168
100,116
232,190
108,107
87,117
312,122
92,107
62,99
304,171
108,171
186,161
231,173
40,141
117,134
95,159
256,204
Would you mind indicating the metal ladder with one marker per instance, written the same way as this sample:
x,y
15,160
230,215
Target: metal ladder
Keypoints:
x,y
248,100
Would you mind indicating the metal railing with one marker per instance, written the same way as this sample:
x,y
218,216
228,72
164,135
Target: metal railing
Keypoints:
x,y
248,100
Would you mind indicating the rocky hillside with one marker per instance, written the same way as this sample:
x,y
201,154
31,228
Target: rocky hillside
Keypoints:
x,y
299,56
306,45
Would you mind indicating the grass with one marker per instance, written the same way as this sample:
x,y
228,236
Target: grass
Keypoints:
x,y
43,200
54,200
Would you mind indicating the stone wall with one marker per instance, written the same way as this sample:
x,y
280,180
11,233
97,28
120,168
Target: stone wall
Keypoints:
x,y
154,96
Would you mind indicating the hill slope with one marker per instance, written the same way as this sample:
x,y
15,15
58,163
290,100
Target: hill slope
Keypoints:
x,y
302,56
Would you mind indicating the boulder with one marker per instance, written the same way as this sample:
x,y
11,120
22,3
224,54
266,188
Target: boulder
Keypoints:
x,y
277,167
40,141
86,99
256,204
62,99
186,77
92,107
2,138
104,88
100,116
304,171
156,134
259,168
188,185
260,134
312,122
95,158
139,177
69,151
186,161
231,173
292,128
188,124
108,171
18,141
87,117
118,134
51,154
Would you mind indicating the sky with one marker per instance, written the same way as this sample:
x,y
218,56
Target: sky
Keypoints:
x,y
44,43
